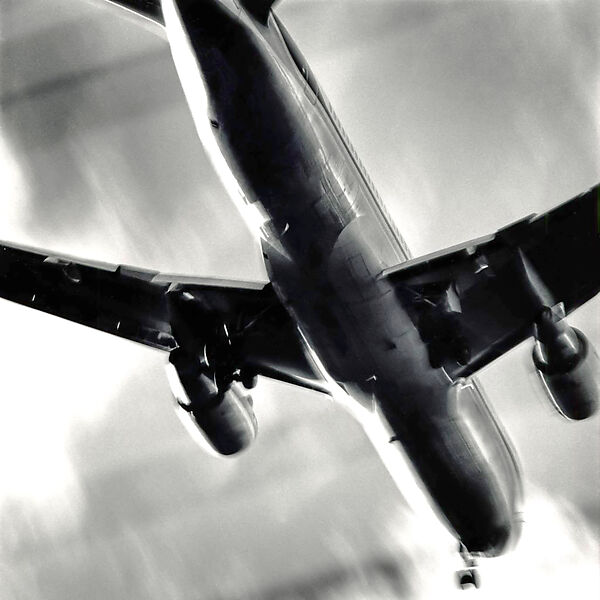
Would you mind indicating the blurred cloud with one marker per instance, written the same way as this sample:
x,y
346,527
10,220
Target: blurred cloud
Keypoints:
x,y
139,188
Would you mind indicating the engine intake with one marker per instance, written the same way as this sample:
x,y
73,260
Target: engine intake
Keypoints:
x,y
568,366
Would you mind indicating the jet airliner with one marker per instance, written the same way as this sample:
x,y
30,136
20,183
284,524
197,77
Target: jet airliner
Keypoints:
x,y
346,304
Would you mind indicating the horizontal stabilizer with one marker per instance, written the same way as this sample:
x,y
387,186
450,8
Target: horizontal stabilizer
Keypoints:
x,y
150,9
259,9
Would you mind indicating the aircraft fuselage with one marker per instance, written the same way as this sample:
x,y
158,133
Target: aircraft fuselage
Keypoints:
x,y
326,239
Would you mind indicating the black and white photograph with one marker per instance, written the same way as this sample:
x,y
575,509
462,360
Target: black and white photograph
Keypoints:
x,y
299,299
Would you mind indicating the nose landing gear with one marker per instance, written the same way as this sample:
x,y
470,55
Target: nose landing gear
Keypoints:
x,y
469,576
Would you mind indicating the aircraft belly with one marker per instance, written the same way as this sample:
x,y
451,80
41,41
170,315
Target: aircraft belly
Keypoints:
x,y
353,319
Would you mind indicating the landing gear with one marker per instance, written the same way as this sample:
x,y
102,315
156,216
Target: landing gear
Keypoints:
x,y
248,379
442,330
469,576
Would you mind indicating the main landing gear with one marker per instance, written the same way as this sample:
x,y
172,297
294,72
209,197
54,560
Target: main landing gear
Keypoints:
x,y
469,576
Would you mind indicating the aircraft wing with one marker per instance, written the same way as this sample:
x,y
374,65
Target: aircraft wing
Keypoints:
x,y
137,304
491,289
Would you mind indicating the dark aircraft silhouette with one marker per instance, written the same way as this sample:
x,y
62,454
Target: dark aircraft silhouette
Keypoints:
x,y
346,303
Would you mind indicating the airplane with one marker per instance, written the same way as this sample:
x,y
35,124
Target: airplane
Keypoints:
x,y
403,337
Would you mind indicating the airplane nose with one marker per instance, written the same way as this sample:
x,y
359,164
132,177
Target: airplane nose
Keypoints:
x,y
496,540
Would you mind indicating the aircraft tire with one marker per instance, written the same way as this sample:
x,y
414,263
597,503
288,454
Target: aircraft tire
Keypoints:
x,y
468,577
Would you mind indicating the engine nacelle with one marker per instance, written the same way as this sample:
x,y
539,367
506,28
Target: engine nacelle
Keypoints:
x,y
225,419
569,368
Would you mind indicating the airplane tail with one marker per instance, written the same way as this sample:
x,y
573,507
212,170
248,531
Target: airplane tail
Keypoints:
x,y
151,9
259,9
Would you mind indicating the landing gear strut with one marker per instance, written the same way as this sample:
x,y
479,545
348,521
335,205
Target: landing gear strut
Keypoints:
x,y
469,576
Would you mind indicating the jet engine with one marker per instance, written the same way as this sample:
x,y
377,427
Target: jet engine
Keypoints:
x,y
224,417
568,366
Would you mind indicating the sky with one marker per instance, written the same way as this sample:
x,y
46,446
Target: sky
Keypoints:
x,y
467,116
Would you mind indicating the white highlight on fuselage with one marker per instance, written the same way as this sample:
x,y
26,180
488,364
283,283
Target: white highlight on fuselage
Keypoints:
x,y
391,454
190,76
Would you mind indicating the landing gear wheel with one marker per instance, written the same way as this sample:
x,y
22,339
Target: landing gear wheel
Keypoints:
x,y
467,578
436,354
249,380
